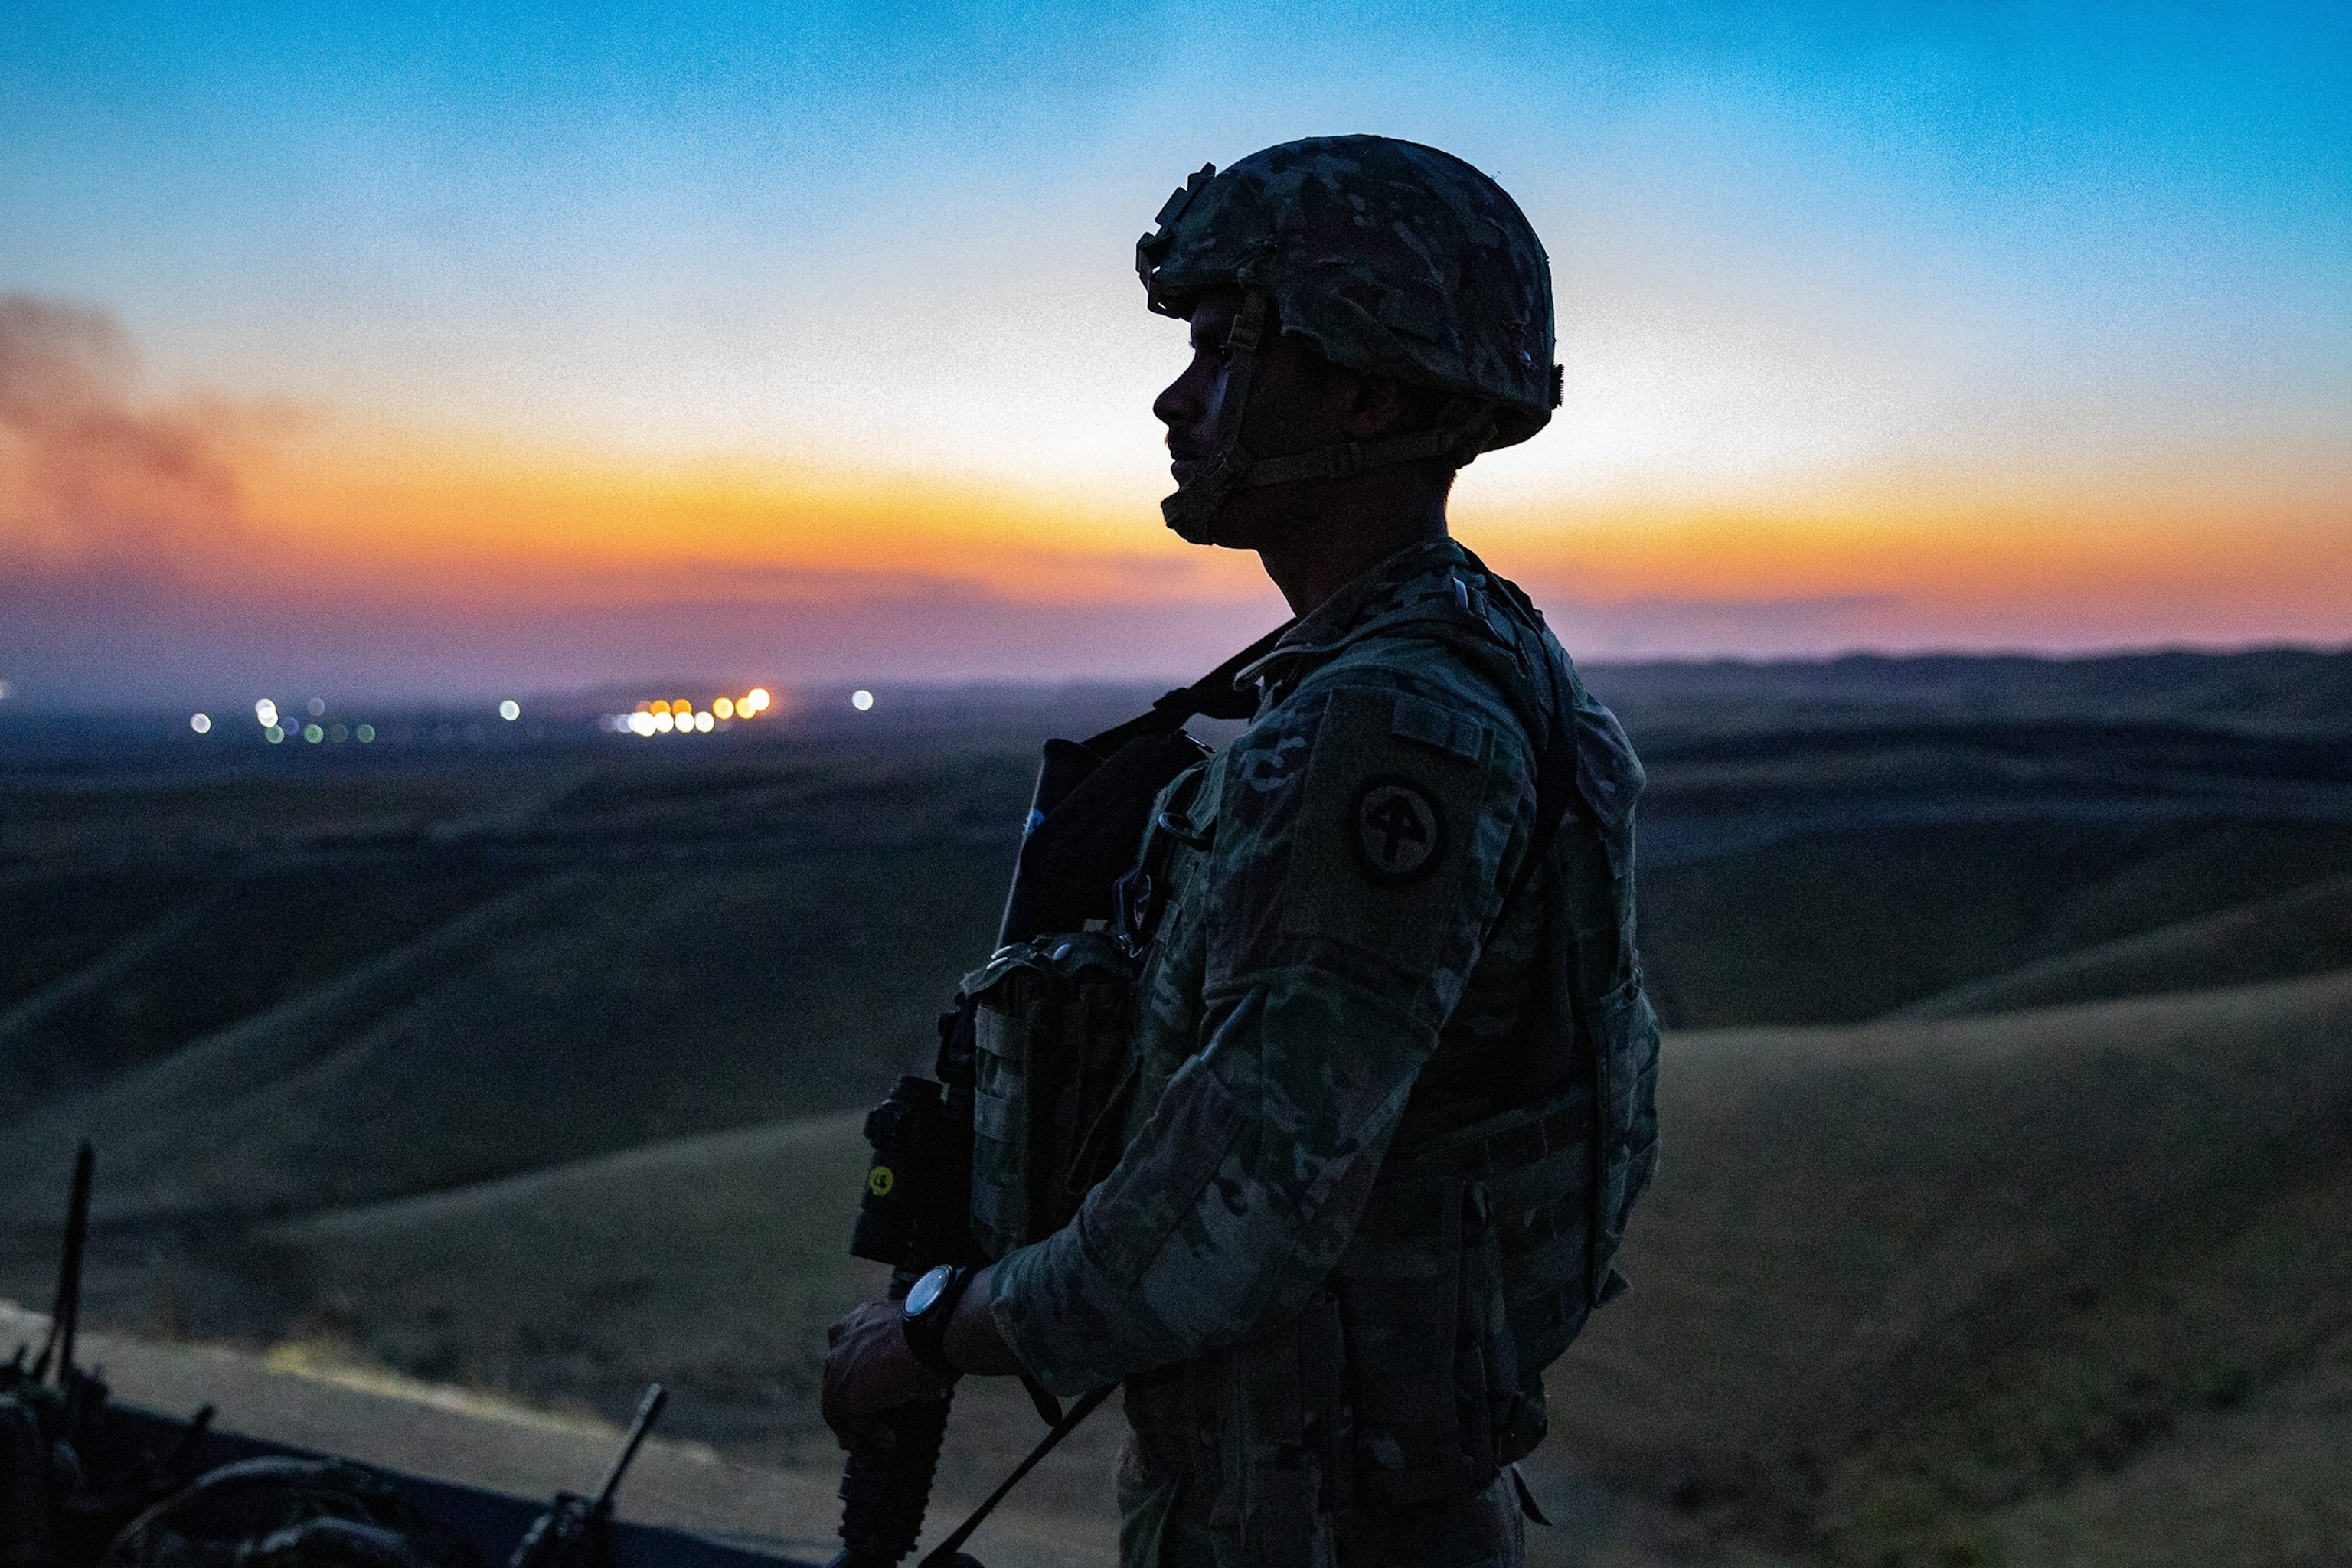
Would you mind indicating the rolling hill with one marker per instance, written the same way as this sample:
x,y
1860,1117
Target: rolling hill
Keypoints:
x,y
1914,1291
605,1274
1996,1219
1837,927
628,955
586,1012
2306,931
2265,690
1905,1291
710,1263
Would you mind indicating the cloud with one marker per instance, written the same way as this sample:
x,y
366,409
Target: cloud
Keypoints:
x,y
90,476
161,549
143,559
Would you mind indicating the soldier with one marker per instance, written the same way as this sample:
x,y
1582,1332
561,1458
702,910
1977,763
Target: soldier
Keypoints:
x,y
1396,1072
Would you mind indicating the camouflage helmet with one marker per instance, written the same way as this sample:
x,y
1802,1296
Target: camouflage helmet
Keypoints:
x,y
1390,257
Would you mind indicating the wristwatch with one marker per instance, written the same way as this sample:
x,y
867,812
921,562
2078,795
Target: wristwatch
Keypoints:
x,y
930,1302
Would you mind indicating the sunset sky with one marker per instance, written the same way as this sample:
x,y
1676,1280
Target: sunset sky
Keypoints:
x,y
429,352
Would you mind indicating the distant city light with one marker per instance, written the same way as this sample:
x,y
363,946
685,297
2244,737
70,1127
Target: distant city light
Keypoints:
x,y
202,723
510,711
680,716
317,705
861,700
275,732
4,689
313,733
366,733
337,733
267,711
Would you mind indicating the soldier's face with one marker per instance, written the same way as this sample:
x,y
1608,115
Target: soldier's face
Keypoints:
x,y
1298,402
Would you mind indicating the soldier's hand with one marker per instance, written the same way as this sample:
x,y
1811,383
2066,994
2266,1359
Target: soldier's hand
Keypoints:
x,y
870,1370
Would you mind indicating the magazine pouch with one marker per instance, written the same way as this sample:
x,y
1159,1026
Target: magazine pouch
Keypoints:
x,y
1050,1027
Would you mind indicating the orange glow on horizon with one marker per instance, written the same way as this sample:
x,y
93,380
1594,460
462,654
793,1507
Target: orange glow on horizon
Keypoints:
x,y
458,521
468,520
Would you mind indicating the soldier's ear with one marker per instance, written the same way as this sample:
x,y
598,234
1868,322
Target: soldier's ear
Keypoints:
x,y
1373,405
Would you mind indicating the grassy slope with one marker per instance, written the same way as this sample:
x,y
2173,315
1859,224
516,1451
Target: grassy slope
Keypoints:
x,y
123,819
303,1033
323,988
1931,1286
582,1014
711,1263
1920,1289
1897,1279
2307,932
2260,1485
2282,691
54,921
1835,928
228,945
708,1262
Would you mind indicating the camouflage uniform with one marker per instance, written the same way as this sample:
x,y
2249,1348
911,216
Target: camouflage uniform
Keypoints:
x,y
1396,1071
1345,982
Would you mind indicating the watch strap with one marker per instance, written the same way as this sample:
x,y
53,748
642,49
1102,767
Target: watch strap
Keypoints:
x,y
927,1331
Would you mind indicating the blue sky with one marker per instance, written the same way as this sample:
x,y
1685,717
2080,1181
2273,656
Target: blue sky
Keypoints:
x,y
1807,256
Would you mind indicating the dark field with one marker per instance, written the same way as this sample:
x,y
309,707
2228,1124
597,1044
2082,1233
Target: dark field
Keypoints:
x,y
2008,1102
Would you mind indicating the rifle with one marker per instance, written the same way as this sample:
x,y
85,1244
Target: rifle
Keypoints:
x,y
64,1311
912,1218
66,1488
1085,816
577,1531
72,1409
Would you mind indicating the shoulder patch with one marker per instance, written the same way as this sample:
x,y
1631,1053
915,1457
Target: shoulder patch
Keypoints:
x,y
1455,734
1393,849
1400,827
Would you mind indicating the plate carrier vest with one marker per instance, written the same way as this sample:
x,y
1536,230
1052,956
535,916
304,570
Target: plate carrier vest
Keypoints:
x,y
1415,1374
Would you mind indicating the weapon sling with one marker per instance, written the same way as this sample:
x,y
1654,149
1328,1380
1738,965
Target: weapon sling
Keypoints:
x,y
943,1555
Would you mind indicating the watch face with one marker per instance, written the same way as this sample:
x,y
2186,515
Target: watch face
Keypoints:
x,y
927,1290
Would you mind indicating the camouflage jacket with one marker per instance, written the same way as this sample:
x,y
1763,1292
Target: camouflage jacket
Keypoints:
x,y
1337,963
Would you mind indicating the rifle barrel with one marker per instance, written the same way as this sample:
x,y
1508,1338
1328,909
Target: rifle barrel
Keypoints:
x,y
65,1313
649,1410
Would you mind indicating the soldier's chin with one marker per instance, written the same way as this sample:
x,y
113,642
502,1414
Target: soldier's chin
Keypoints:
x,y
1192,522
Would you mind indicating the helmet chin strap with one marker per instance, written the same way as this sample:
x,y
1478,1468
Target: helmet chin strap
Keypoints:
x,y
1461,431
1192,511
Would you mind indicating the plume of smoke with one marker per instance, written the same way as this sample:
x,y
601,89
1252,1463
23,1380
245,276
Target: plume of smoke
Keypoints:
x,y
90,477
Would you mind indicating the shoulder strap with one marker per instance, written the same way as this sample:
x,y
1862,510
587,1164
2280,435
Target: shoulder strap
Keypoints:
x,y
1554,775
1093,802
1552,732
1214,696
